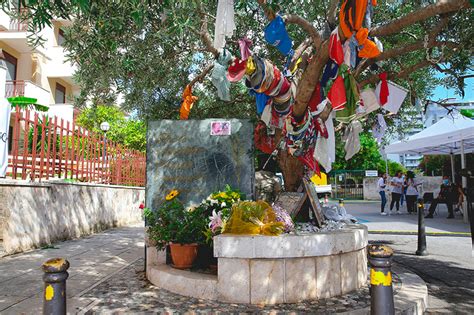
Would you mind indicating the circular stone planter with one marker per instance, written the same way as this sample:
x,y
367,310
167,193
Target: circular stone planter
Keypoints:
x,y
274,269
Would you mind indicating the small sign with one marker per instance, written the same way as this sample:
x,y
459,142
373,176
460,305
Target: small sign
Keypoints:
x,y
305,206
220,128
371,173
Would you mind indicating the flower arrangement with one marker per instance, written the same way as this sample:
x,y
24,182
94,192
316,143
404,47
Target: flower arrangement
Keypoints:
x,y
172,223
254,217
284,217
217,207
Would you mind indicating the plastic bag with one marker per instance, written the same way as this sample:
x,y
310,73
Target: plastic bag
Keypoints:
x,y
253,217
338,214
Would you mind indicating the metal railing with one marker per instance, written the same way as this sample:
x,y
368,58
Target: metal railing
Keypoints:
x,y
14,88
48,147
16,25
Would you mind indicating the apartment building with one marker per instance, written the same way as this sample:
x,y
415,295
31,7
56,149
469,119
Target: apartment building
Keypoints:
x,y
40,72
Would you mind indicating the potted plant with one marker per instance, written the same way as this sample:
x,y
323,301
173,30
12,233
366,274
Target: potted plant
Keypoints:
x,y
182,229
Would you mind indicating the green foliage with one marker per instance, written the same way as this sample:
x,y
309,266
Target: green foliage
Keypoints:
x,y
171,222
149,50
368,158
131,133
435,165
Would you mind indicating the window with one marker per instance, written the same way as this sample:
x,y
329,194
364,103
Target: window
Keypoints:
x,y
11,63
61,38
60,94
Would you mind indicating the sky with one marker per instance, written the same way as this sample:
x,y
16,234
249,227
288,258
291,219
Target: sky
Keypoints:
x,y
441,92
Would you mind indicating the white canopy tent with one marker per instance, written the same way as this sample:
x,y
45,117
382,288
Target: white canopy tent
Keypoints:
x,y
454,134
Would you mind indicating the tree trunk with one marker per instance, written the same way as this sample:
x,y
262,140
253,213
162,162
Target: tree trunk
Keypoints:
x,y
292,170
290,166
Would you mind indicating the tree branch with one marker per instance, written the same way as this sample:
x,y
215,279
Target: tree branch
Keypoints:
x,y
305,25
204,33
332,13
309,79
400,75
266,9
441,7
401,51
201,76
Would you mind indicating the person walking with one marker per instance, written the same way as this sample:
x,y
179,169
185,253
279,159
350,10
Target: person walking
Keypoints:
x,y
404,190
397,189
411,192
381,184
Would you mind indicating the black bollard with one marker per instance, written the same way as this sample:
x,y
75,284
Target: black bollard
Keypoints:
x,y
54,278
381,291
421,251
341,202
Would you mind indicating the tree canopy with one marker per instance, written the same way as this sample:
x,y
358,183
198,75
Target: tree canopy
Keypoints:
x,y
150,50
131,133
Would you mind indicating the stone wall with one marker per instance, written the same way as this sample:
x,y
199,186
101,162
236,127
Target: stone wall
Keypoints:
x,y
430,184
256,269
35,214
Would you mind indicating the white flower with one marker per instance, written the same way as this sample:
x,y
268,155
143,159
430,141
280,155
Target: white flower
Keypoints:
x,y
214,202
223,205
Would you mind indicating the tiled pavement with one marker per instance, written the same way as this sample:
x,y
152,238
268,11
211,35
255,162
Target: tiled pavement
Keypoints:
x,y
93,259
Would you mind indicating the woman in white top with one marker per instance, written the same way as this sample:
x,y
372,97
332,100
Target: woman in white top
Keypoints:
x,y
412,192
397,188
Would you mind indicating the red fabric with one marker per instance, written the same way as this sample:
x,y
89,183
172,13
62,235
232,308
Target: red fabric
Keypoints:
x,y
276,80
335,48
337,94
383,88
284,87
315,98
310,162
263,142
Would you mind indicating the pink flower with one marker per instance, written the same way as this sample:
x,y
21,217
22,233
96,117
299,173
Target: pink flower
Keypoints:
x,y
216,221
142,206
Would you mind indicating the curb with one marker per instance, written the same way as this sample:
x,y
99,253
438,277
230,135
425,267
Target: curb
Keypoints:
x,y
451,234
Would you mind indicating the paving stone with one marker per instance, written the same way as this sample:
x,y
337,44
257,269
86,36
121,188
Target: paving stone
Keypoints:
x,y
129,291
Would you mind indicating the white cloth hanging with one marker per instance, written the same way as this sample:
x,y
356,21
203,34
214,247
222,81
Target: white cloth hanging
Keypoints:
x,y
397,95
267,114
325,150
379,128
370,100
351,139
225,25
331,136
347,53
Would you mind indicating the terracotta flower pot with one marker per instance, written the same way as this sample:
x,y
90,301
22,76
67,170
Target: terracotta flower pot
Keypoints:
x,y
183,255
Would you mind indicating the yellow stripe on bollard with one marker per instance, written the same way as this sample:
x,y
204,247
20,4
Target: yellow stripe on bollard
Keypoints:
x,y
379,278
49,293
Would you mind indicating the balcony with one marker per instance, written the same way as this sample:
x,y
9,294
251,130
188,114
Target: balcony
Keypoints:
x,y
58,66
14,88
8,24
13,33
27,88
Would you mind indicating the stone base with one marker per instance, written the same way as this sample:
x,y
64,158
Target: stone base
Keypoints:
x,y
273,270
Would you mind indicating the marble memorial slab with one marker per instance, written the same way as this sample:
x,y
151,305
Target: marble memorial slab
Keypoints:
x,y
198,157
